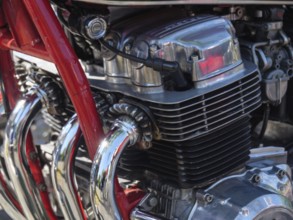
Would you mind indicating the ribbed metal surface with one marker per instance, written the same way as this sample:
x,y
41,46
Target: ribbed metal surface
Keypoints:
x,y
199,162
200,115
56,122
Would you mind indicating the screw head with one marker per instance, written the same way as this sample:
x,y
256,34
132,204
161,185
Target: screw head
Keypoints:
x,y
255,179
281,174
208,198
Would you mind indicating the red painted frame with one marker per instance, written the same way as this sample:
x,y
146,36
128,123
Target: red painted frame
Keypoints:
x,y
31,27
35,30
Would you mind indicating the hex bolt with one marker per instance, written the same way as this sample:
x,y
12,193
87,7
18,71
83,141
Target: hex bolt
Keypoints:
x,y
255,179
208,198
281,174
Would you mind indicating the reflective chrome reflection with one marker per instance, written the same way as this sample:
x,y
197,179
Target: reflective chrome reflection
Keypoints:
x,y
15,156
62,173
124,133
8,206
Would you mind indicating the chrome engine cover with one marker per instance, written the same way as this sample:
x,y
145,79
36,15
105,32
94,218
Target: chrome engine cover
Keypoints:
x,y
259,194
204,46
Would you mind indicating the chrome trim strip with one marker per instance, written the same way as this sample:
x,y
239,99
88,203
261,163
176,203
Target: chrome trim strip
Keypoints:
x,y
62,170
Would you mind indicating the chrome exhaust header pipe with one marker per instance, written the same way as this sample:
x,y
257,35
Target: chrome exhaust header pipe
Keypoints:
x,y
62,170
15,156
124,133
8,206
8,199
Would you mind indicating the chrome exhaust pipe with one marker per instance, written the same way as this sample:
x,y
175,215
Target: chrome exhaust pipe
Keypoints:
x,y
8,206
15,156
124,133
8,199
62,171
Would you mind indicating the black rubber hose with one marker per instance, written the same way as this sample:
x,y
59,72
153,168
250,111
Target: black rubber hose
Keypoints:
x,y
156,64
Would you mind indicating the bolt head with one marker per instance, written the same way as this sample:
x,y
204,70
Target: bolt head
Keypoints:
x,y
255,179
208,198
153,201
281,174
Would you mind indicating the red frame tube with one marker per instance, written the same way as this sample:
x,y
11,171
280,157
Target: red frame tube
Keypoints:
x,y
20,24
7,73
70,70
38,33
7,42
58,50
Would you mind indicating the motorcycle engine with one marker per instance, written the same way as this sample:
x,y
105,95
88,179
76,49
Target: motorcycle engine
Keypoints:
x,y
200,163
203,129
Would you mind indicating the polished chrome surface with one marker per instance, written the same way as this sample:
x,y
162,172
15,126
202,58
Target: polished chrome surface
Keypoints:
x,y
124,133
95,27
276,154
204,46
5,201
62,170
259,209
263,191
186,2
8,206
42,64
15,156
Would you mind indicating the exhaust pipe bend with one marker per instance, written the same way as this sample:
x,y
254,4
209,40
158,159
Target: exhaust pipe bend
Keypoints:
x,y
15,155
124,133
62,171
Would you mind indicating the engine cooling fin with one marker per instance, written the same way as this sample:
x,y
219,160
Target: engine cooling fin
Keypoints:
x,y
198,162
208,112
